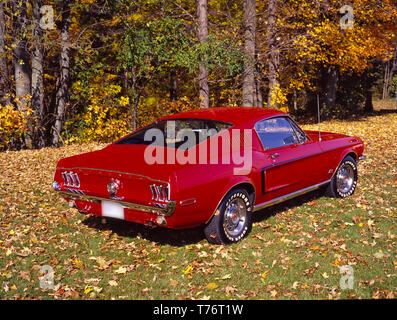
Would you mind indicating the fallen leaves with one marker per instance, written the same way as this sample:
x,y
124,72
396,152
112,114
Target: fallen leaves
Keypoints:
x,y
121,270
230,289
294,252
102,263
113,283
187,270
173,282
212,286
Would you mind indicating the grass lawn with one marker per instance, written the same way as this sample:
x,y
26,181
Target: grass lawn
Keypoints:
x,y
294,251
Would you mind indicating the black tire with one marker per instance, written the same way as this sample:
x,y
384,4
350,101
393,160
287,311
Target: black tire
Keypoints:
x,y
344,181
235,210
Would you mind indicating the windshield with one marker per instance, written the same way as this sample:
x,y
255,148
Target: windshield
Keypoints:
x,y
176,133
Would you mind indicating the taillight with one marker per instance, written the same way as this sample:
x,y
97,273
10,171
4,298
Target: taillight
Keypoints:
x,y
159,193
71,179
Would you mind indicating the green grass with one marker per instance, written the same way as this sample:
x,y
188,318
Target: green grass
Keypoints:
x,y
294,251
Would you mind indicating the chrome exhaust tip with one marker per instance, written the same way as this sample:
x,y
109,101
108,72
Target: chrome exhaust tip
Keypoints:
x,y
161,221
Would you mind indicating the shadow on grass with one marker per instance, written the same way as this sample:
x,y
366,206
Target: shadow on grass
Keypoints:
x,y
271,211
128,229
186,236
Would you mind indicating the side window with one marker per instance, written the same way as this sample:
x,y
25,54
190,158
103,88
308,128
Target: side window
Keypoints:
x,y
301,136
275,132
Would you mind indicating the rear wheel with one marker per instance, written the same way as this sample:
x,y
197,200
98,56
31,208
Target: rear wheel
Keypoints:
x,y
232,220
344,181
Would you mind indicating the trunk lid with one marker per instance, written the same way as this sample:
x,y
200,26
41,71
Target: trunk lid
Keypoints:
x,y
123,164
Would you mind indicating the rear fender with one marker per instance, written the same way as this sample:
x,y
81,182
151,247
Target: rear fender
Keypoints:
x,y
230,187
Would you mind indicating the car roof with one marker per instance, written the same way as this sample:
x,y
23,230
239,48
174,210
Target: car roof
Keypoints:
x,y
234,115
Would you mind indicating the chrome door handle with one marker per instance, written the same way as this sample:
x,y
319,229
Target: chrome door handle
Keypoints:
x,y
274,156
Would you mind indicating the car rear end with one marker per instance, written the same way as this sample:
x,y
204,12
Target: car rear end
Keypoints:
x,y
117,194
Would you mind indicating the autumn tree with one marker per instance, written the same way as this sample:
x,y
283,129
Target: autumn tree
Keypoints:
x,y
3,57
112,66
64,65
22,72
273,54
390,68
37,92
202,32
249,87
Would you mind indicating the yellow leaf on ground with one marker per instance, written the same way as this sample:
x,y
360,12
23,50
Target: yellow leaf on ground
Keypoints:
x,y
121,270
188,269
212,286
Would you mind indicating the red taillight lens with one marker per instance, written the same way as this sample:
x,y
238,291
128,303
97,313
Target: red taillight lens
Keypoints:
x,y
70,179
159,193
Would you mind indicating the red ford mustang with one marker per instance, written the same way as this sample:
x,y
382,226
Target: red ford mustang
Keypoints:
x,y
213,167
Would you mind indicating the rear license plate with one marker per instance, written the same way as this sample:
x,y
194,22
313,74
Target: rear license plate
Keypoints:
x,y
112,210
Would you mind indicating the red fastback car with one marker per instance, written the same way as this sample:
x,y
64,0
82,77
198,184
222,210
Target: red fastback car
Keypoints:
x,y
213,167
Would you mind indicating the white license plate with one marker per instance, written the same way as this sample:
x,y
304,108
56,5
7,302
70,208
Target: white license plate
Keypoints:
x,y
112,210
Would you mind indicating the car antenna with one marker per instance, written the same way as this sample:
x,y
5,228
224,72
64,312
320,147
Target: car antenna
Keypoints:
x,y
318,115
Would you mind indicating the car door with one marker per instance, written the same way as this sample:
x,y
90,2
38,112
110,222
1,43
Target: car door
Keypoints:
x,y
294,158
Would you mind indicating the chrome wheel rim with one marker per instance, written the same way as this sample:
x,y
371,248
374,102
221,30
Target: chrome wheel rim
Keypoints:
x,y
345,178
235,217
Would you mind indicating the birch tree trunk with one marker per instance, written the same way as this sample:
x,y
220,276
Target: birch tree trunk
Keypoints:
x,y
3,57
249,86
22,65
390,70
62,93
274,60
202,17
37,75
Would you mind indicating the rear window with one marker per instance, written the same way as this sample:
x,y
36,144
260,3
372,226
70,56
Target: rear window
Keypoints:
x,y
176,133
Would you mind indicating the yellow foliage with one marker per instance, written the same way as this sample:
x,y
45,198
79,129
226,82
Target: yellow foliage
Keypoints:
x,y
278,96
152,109
124,101
109,115
12,125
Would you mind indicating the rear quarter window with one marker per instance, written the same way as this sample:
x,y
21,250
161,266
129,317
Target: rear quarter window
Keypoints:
x,y
275,133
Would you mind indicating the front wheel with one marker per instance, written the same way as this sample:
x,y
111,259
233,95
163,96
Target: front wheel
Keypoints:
x,y
232,220
344,181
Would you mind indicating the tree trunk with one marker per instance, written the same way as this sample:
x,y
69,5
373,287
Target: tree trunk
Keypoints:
x,y
62,93
202,17
3,58
331,86
295,101
173,86
259,94
249,92
369,107
385,93
37,75
390,70
274,60
22,66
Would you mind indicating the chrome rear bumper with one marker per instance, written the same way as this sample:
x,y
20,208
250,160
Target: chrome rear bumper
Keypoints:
x,y
167,211
362,157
